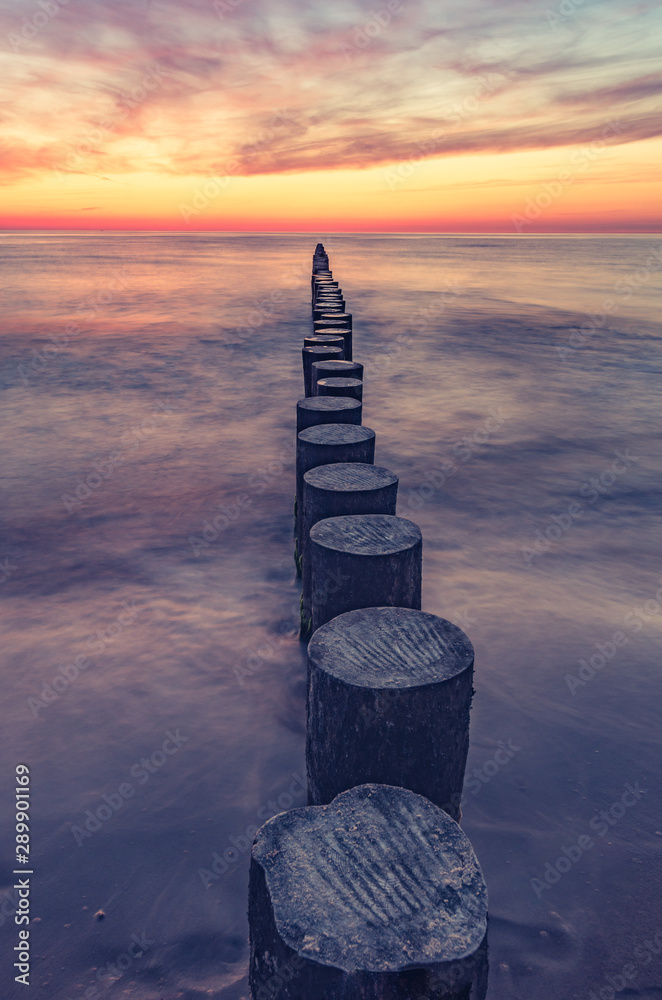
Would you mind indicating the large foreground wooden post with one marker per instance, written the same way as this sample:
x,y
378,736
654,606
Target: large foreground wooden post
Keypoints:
x,y
377,896
397,683
335,490
364,561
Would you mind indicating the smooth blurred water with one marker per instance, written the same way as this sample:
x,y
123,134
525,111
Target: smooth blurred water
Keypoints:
x,y
179,379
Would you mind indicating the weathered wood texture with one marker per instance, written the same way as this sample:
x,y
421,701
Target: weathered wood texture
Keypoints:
x,y
364,561
389,697
335,490
325,444
378,896
315,410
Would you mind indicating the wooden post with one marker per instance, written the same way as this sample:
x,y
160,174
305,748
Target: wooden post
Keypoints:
x,y
341,325
314,410
325,340
377,896
322,281
351,387
364,561
336,316
328,309
334,368
334,490
398,684
310,354
323,445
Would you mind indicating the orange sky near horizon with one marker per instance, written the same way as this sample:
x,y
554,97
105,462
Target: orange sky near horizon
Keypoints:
x,y
263,116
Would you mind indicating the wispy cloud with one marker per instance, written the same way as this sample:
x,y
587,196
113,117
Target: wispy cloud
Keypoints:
x,y
227,69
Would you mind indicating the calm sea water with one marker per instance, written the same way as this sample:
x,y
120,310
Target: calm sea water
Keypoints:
x,y
149,388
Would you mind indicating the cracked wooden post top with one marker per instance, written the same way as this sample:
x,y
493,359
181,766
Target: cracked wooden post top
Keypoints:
x,y
376,896
397,683
364,561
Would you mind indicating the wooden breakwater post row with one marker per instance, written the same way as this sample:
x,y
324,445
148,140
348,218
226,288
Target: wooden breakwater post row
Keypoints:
x,y
389,695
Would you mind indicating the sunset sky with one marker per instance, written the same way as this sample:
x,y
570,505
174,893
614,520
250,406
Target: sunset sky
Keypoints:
x,y
421,115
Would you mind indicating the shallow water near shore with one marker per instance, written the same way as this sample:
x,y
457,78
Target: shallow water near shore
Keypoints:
x,y
148,482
